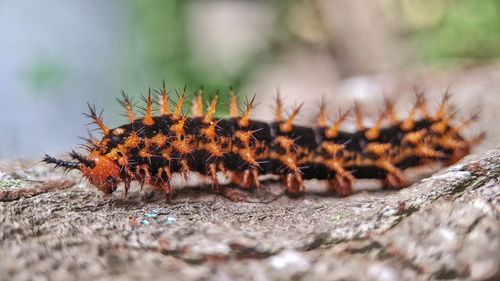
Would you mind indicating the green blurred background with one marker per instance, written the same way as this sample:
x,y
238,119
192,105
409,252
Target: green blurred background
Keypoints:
x,y
58,55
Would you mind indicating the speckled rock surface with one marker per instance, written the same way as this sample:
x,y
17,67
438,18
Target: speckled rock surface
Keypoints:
x,y
447,226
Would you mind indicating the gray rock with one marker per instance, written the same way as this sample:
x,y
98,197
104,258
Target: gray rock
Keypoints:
x,y
446,226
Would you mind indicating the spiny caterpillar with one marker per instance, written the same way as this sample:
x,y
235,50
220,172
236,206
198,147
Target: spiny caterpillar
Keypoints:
x,y
150,149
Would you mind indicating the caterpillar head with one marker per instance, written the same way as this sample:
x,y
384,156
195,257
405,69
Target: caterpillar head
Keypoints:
x,y
101,171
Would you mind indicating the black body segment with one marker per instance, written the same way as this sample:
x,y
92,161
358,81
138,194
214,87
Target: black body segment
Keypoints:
x,y
306,147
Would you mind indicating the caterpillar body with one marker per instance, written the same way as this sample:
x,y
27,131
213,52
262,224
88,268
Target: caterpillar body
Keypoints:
x,y
150,149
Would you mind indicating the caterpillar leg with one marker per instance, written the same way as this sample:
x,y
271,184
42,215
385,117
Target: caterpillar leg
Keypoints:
x,y
127,177
458,153
165,186
143,175
213,176
247,179
341,184
395,181
294,184
343,181
394,178
162,180
127,186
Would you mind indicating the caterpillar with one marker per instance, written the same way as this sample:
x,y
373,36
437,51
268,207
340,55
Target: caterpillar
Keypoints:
x,y
150,149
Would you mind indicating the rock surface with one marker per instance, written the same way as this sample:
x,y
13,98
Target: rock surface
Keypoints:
x,y
447,226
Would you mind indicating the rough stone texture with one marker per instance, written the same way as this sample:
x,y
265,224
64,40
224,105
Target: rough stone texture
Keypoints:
x,y
443,227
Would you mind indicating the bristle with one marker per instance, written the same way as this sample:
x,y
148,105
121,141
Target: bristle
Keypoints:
x,y
164,102
278,110
477,139
287,126
421,105
211,110
148,117
180,103
81,159
374,132
92,142
359,116
465,123
409,122
198,111
442,111
390,112
334,129
322,117
97,119
233,106
245,119
178,128
128,107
